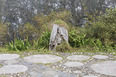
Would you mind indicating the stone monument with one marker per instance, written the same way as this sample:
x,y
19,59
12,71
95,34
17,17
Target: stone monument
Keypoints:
x,y
58,36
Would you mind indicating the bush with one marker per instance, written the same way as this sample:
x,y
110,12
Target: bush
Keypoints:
x,y
79,39
41,21
19,44
30,31
104,29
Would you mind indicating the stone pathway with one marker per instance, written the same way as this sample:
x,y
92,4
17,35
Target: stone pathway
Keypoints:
x,y
43,58
8,56
13,69
58,65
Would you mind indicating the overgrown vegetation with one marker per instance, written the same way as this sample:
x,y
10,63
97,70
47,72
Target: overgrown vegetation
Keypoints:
x,y
98,35
104,30
19,45
3,33
43,41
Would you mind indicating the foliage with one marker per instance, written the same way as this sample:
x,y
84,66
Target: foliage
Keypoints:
x,y
42,20
42,23
3,32
28,30
77,40
43,41
63,47
18,44
99,35
104,28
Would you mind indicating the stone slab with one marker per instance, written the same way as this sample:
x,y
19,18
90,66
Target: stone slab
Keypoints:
x,y
106,67
10,62
62,74
90,76
50,74
11,69
73,64
100,56
43,58
8,56
78,57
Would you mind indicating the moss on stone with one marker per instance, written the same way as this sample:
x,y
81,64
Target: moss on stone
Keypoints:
x,y
61,24
63,47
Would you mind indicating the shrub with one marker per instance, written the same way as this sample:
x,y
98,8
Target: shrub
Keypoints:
x,y
19,44
79,39
104,28
47,20
30,31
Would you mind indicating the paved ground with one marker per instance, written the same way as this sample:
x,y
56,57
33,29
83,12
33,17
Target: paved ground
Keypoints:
x,y
58,65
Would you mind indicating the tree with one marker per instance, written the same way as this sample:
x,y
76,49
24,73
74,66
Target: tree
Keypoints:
x,y
19,12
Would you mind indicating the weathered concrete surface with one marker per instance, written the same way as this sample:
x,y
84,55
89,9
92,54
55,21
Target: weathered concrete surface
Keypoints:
x,y
50,73
10,62
78,57
11,69
90,76
45,58
100,56
8,56
90,68
73,64
106,67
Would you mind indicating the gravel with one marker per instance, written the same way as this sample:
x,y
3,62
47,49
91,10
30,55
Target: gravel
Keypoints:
x,y
58,69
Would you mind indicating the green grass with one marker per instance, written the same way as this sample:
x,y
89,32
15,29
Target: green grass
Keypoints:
x,y
93,50
31,51
46,51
